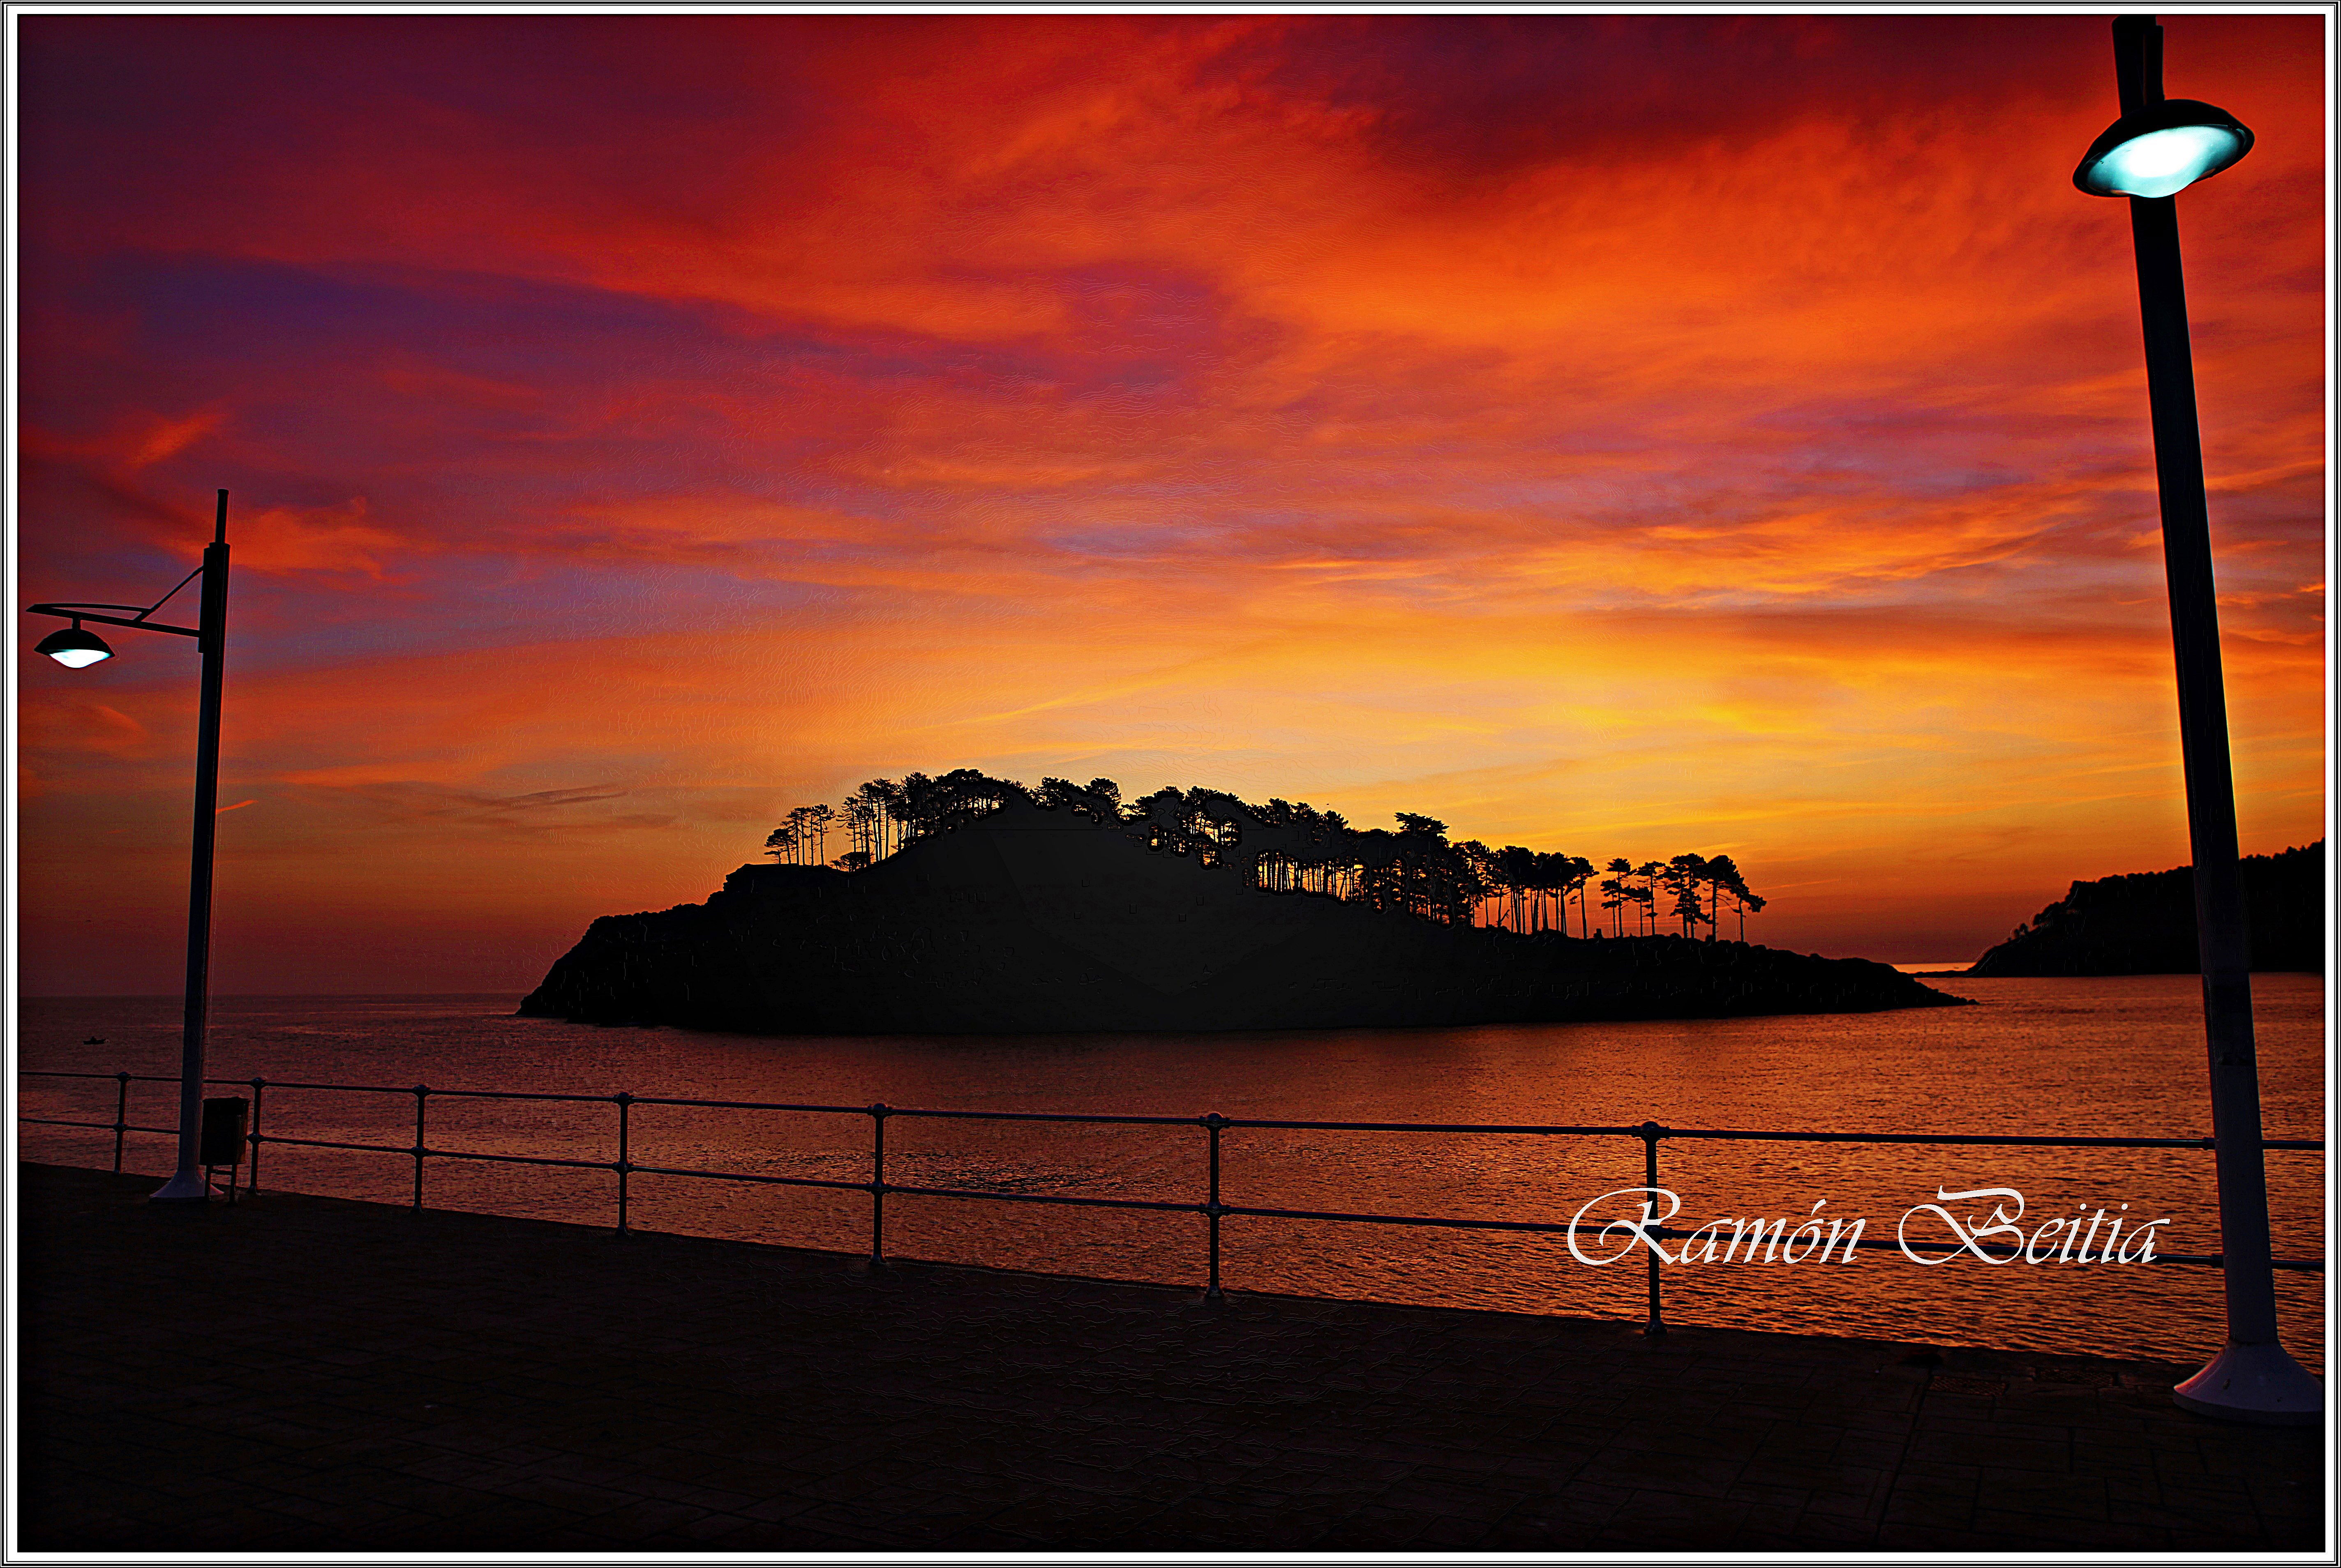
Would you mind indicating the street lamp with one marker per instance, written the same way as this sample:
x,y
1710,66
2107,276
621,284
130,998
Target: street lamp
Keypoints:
x,y
76,650
2162,148
2157,148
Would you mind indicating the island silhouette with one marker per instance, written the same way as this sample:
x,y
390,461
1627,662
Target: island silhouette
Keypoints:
x,y
972,904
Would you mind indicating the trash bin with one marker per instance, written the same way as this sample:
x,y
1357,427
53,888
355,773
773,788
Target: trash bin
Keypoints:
x,y
223,1140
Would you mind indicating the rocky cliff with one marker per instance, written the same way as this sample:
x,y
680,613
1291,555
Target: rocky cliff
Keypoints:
x,y
2144,923
1037,921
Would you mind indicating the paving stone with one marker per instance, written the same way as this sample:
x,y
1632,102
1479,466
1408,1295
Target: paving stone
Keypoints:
x,y
435,1382
2032,1532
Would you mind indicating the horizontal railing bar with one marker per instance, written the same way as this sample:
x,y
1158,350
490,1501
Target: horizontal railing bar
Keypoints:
x,y
890,1112
2214,1260
744,1175
1666,1132
504,1159
1553,1226
1050,1116
437,1154
337,1089
329,1144
1053,1197
409,1089
461,1094
1520,1129
755,1105
2018,1139
891,1188
98,1126
1527,1129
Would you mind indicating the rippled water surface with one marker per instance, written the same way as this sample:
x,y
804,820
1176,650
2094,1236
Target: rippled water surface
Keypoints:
x,y
2054,1056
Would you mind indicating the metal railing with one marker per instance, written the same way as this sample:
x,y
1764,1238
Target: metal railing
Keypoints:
x,y
1650,1133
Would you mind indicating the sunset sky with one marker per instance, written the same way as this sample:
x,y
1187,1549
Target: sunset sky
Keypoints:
x,y
1620,435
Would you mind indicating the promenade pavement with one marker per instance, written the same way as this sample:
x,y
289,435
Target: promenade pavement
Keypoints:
x,y
302,1375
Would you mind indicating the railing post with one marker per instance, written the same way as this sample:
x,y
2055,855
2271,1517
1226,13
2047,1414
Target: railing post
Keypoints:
x,y
252,1176
121,1116
1652,1133
420,1095
1212,1124
625,1165
878,1184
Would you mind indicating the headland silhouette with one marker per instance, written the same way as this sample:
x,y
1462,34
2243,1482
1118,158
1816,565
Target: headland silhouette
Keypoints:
x,y
2144,923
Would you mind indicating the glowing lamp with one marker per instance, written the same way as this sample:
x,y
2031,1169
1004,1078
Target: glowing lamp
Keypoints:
x,y
2161,148
74,648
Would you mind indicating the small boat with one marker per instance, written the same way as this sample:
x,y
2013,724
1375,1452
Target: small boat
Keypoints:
x,y
94,1040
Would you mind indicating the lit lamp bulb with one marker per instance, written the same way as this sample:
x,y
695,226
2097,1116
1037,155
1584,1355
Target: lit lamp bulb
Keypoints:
x,y
74,648
2162,149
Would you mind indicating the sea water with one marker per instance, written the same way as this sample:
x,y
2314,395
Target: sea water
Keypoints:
x,y
2083,1058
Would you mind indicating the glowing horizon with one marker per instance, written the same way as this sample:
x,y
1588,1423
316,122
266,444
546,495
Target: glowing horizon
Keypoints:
x,y
1619,435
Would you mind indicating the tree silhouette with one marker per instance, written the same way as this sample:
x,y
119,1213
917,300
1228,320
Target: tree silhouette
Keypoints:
x,y
1480,861
1531,873
885,797
1415,871
1333,870
1721,876
1683,877
1515,883
1647,874
1728,880
864,824
1616,894
1577,872
915,804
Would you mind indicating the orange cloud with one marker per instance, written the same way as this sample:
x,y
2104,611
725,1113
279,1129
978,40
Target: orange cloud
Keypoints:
x,y
1604,434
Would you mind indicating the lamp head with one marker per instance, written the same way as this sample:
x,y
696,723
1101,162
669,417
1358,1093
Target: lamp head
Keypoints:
x,y
74,648
2159,149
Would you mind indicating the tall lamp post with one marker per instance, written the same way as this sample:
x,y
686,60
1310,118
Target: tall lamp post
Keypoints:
x,y
77,649
2157,148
